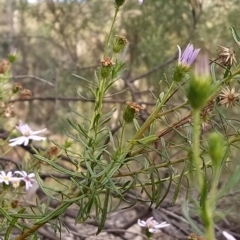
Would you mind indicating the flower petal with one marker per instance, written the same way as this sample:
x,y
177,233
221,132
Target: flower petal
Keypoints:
x,y
17,141
141,223
22,173
228,236
37,132
26,141
36,138
161,225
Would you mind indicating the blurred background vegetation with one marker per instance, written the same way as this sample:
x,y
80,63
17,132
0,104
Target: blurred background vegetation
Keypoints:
x,y
55,39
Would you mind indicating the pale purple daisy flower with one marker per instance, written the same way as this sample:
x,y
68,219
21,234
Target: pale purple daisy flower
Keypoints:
x,y
228,236
6,178
189,55
152,225
27,134
27,178
140,2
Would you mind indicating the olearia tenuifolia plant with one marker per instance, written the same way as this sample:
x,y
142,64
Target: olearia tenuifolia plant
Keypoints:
x,y
111,165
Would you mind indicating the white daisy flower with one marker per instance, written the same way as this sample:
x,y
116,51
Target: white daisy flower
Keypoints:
x,y
27,135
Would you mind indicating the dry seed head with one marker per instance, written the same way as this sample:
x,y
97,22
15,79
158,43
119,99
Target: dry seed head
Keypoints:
x,y
226,55
14,203
106,62
25,93
119,44
8,112
134,106
205,116
52,151
228,97
4,65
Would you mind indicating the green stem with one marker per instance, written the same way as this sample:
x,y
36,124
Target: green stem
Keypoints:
x,y
121,137
209,228
152,117
111,30
172,109
196,144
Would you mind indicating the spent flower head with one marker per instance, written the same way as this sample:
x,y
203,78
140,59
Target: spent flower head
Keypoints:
x,y
152,225
228,97
226,56
130,111
119,44
27,135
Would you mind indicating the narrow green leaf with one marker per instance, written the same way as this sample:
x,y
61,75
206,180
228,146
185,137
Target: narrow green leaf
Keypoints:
x,y
55,166
176,192
12,224
235,35
104,211
233,180
55,213
185,212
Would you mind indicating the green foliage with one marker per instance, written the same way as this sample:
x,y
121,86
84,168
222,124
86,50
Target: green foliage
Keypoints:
x,y
103,165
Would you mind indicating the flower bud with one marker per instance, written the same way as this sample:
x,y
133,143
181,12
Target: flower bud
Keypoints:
x,y
119,3
216,147
120,43
12,57
106,67
200,84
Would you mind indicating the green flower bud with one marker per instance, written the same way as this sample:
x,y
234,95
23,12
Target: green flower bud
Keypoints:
x,y
67,144
12,57
180,73
119,3
216,147
200,84
120,43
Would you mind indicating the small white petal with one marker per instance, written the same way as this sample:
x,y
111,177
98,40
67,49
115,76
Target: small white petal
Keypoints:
x,y
36,138
153,230
17,141
22,173
31,175
140,2
162,225
26,141
141,223
37,132
228,236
